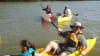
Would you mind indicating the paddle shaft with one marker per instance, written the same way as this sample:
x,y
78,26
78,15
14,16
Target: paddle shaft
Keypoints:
x,y
54,25
75,14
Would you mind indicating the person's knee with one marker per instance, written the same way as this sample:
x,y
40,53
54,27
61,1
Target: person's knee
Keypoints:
x,y
51,42
63,54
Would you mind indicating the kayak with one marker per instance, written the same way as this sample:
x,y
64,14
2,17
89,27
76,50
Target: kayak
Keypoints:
x,y
0,40
64,20
91,42
47,17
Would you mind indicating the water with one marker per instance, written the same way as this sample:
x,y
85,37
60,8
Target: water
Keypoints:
x,y
23,21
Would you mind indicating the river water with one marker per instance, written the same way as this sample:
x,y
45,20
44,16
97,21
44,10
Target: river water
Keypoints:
x,y
23,21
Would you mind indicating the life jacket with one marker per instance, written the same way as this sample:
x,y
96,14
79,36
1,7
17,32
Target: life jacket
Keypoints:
x,y
51,16
48,10
27,53
79,47
72,40
73,37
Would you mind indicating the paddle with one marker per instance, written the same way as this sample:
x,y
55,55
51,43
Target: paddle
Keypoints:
x,y
72,14
52,22
54,25
75,14
42,6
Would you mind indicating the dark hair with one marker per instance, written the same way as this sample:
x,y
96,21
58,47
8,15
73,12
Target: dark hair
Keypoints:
x,y
28,44
47,6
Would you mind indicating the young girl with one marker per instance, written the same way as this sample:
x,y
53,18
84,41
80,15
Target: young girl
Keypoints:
x,y
27,49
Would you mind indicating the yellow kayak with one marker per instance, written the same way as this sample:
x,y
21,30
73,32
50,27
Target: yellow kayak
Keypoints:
x,y
64,20
0,40
91,42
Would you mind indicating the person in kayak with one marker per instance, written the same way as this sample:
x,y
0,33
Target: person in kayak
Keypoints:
x,y
49,13
73,40
48,9
66,12
27,48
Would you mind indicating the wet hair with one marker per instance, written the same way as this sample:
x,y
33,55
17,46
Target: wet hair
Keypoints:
x,y
28,44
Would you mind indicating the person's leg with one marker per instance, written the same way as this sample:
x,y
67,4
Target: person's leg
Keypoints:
x,y
63,54
68,51
50,45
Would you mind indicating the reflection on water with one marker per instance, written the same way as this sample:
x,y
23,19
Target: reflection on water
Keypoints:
x,y
45,24
23,21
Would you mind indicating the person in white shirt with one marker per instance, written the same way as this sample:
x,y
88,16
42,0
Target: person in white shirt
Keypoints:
x,y
66,12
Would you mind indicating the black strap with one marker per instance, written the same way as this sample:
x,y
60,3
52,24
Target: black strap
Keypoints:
x,y
71,43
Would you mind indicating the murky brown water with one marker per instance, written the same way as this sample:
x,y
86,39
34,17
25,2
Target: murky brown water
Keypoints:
x,y
23,21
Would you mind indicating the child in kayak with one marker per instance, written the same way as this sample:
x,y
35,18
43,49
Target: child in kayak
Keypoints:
x,y
27,49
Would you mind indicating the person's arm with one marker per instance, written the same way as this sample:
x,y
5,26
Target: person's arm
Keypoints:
x,y
86,49
59,31
84,44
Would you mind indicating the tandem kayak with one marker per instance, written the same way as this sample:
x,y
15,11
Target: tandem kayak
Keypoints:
x,y
91,42
64,20
47,17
